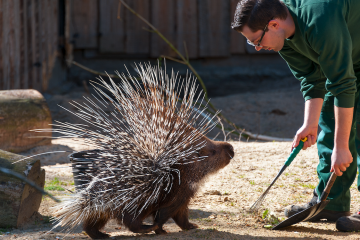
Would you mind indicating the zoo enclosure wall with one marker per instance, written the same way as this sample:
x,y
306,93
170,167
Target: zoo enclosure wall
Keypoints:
x,y
28,43
34,32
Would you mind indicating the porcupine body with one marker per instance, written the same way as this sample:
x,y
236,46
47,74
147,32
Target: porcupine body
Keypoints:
x,y
152,153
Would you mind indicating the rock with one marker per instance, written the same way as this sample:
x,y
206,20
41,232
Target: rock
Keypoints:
x,y
212,192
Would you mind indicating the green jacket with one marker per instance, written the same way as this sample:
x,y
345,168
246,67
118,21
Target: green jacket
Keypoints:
x,y
325,48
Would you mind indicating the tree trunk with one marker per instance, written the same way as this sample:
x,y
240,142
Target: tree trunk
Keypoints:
x,y
20,112
19,201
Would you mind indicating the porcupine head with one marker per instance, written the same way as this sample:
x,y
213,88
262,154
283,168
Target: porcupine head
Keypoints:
x,y
151,152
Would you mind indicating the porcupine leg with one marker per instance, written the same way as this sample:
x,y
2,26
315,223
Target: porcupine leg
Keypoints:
x,y
181,218
92,228
160,217
136,225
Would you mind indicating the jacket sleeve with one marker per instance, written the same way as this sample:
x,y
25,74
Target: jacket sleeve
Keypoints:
x,y
309,73
330,39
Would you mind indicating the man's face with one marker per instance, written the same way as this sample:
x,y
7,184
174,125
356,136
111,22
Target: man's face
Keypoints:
x,y
273,39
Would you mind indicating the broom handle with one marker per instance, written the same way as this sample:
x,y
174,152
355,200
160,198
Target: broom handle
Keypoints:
x,y
328,187
295,152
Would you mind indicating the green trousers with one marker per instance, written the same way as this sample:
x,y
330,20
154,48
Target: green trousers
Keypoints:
x,y
340,192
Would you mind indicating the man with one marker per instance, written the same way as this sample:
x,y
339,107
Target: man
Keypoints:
x,y
320,41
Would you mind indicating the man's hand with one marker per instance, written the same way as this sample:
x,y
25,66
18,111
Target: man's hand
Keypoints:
x,y
310,126
341,156
340,160
306,131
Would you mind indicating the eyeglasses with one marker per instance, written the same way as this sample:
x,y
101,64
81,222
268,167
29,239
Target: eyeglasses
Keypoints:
x,y
258,44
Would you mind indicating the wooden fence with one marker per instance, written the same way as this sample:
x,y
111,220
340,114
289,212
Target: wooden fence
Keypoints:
x,y
29,33
204,25
28,42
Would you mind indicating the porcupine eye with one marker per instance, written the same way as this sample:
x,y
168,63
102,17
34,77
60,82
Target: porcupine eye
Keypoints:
x,y
213,152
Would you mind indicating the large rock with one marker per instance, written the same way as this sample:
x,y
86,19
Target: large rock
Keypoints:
x,y
19,201
20,112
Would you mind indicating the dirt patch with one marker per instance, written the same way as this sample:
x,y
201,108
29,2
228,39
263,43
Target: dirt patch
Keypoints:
x,y
221,207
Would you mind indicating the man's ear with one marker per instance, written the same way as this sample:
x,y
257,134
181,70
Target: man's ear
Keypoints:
x,y
274,24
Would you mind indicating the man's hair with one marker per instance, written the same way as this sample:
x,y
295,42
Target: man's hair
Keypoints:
x,y
257,13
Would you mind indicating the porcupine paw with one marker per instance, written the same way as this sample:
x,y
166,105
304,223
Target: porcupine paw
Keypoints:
x,y
96,234
192,226
160,231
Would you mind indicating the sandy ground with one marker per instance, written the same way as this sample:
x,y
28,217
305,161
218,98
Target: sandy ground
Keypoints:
x,y
274,113
220,208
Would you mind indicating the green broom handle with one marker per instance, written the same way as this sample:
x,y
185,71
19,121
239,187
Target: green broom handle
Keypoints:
x,y
295,152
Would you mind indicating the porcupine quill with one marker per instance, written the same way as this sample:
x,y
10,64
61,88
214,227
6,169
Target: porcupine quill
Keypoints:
x,y
140,132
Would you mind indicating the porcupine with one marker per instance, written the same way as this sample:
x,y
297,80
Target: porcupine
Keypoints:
x,y
153,153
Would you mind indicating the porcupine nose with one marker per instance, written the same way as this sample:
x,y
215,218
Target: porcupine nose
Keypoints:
x,y
229,149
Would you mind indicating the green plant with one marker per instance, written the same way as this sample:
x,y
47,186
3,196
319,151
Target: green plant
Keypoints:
x,y
311,186
269,218
46,219
265,213
55,185
212,229
4,230
54,188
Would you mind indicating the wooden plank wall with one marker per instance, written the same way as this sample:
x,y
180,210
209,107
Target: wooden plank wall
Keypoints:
x,y
23,47
137,39
2,82
34,64
2,67
28,43
84,25
237,41
187,27
8,44
214,28
163,18
111,30
204,25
